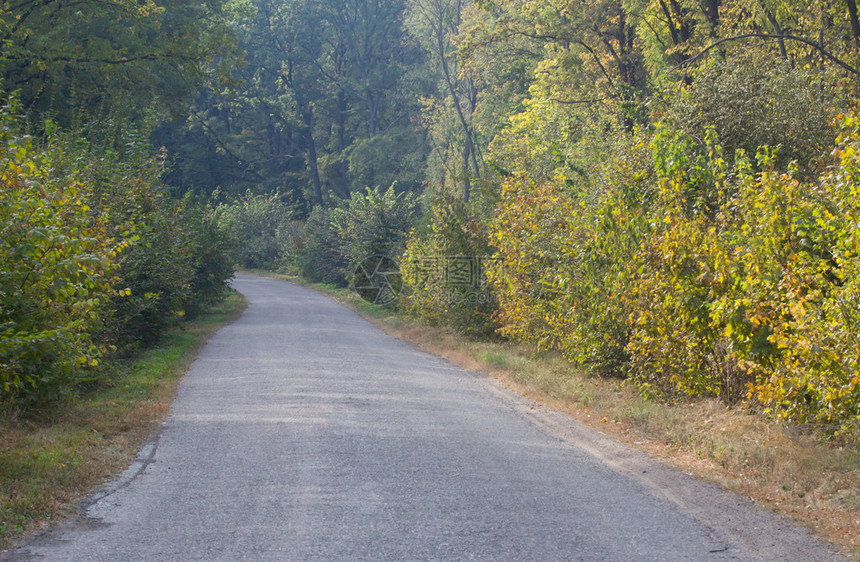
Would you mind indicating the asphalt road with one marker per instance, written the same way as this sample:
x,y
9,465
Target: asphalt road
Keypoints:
x,y
302,432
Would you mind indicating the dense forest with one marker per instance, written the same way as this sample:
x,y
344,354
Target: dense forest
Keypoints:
x,y
662,190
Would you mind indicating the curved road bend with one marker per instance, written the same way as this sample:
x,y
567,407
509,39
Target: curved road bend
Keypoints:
x,y
302,432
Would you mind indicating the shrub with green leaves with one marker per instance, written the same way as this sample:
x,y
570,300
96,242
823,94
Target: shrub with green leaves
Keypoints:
x,y
168,265
693,276
453,237
816,375
212,248
752,99
748,292
320,259
568,257
374,223
677,343
96,258
337,239
158,265
255,222
57,262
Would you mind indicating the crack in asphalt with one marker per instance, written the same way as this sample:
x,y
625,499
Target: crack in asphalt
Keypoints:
x,y
144,457
83,522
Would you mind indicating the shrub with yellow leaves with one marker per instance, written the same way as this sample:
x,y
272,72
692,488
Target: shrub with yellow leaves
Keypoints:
x,y
56,268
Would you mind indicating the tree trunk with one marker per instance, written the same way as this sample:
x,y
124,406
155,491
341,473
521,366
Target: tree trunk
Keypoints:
x,y
468,152
470,136
670,21
308,115
372,109
274,138
467,185
778,30
684,30
712,12
341,144
855,23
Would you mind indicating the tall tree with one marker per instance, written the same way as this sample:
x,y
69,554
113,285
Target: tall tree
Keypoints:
x,y
435,23
593,47
326,103
102,56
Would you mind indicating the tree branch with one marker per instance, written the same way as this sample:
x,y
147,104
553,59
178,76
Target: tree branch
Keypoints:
x,y
578,102
686,64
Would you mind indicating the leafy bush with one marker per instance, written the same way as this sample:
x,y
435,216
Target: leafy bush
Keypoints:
x,y
758,300
57,263
212,248
293,238
752,99
692,276
816,310
320,259
255,221
176,256
157,267
96,257
444,268
568,258
532,232
374,223
681,315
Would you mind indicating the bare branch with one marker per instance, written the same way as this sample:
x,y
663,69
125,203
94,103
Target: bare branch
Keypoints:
x,y
580,102
828,55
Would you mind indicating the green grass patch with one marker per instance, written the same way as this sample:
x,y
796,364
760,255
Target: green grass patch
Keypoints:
x,y
495,358
50,462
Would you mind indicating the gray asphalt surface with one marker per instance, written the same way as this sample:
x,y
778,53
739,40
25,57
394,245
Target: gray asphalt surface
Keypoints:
x,y
302,432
